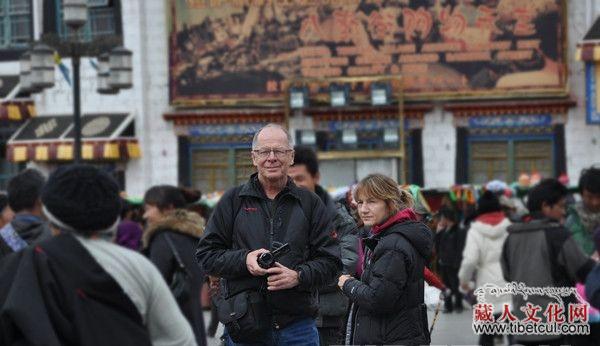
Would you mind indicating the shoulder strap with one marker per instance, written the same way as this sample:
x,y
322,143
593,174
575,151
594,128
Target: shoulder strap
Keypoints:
x,y
237,201
174,250
305,202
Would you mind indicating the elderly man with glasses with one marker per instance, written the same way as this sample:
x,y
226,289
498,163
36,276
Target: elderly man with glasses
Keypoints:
x,y
270,305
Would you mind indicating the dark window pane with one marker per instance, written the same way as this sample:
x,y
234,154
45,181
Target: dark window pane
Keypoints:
x,y
20,29
102,22
19,7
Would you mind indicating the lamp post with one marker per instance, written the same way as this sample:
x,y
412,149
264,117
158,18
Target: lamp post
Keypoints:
x,y
114,71
75,16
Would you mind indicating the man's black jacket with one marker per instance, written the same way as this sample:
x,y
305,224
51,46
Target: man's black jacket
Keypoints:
x,y
55,293
231,234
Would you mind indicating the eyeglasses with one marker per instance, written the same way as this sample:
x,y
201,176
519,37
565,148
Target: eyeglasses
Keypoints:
x,y
278,152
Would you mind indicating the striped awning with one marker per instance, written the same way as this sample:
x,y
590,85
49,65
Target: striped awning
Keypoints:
x,y
14,106
105,137
589,48
17,110
108,150
588,52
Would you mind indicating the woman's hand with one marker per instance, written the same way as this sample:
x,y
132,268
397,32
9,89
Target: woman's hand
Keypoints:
x,y
342,280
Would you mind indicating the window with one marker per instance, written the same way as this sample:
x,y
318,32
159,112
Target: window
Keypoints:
x,y
506,159
534,156
243,166
489,160
101,21
220,169
15,23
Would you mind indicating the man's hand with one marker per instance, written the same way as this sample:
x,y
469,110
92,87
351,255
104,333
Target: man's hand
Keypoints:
x,y
342,280
252,264
281,278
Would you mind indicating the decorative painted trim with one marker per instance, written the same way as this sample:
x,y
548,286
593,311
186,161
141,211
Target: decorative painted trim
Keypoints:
x,y
592,93
225,116
499,121
539,106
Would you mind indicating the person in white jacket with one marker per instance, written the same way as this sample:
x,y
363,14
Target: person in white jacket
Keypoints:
x,y
481,255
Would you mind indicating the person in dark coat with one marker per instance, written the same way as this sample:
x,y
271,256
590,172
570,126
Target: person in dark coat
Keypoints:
x,y
258,217
171,228
333,305
450,241
28,226
78,287
388,305
540,252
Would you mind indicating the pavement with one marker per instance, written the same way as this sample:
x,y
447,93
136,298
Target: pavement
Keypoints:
x,y
450,329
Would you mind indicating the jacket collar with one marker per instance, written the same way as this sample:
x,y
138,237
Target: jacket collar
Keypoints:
x,y
180,221
401,216
534,222
253,188
492,218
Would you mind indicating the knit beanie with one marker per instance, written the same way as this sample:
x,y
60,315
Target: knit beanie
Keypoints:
x,y
82,199
488,203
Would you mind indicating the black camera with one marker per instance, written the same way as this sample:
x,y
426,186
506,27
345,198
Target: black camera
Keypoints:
x,y
267,260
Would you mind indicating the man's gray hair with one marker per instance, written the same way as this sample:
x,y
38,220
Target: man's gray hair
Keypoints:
x,y
276,126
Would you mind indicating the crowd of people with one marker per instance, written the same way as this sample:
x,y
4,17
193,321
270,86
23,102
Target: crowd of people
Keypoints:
x,y
287,264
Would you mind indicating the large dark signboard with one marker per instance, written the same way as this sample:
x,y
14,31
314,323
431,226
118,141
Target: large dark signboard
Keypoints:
x,y
245,50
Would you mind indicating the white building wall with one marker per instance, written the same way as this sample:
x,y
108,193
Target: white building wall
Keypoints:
x,y
439,149
582,141
145,34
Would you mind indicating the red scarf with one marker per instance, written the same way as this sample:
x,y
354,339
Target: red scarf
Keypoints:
x,y
401,216
492,218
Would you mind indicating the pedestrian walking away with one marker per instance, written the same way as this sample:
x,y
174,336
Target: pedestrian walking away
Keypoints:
x,y
78,287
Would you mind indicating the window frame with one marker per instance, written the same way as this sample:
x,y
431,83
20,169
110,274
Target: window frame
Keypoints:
x,y
233,168
511,141
6,22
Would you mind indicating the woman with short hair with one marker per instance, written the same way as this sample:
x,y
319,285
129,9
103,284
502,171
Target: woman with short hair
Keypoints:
x,y
388,305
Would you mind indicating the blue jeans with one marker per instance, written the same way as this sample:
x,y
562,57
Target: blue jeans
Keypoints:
x,y
300,333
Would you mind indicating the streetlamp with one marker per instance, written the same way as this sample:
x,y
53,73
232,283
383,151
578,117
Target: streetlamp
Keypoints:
x,y
115,70
25,67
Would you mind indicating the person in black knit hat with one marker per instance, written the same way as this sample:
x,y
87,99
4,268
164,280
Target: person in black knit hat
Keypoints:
x,y
78,288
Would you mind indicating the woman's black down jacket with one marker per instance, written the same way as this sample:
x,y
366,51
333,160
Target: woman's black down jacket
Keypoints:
x,y
388,300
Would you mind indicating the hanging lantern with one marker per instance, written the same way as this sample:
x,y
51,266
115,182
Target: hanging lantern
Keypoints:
x,y
75,13
121,70
103,76
42,67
